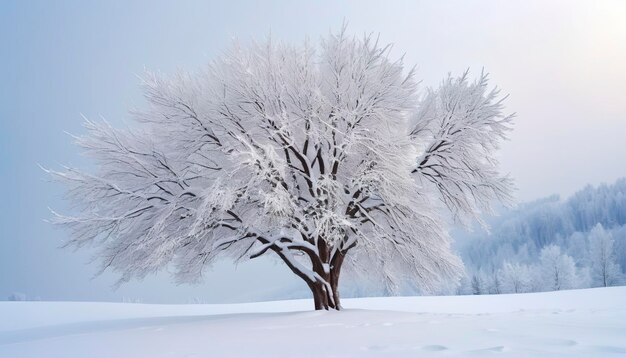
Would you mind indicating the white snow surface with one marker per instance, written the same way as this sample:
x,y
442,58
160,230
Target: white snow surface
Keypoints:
x,y
579,323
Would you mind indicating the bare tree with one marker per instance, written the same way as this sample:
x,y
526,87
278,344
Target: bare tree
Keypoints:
x,y
605,271
516,278
321,156
558,271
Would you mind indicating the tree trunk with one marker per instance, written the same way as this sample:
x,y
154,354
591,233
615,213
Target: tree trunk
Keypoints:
x,y
326,296
325,285
335,271
320,297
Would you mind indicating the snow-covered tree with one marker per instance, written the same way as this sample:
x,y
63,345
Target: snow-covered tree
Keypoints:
x,y
477,285
558,271
486,281
516,278
604,270
496,282
321,156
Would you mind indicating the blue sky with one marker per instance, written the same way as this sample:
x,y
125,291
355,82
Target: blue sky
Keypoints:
x,y
562,62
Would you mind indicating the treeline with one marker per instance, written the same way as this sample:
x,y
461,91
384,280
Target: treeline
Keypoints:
x,y
550,244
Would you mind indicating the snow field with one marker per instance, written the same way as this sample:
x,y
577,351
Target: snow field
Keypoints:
x,y
578,323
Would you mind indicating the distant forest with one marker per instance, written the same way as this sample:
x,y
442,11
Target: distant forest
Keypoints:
x,y
550,244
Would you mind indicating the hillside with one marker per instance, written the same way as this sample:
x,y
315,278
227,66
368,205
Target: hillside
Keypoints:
x,y
582,323
584,232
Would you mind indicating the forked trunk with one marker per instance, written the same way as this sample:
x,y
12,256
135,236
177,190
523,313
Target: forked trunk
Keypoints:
x,y
326,294
324,284
320,297
324,297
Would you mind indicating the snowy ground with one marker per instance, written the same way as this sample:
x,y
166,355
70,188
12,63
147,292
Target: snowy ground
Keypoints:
x,y
583,323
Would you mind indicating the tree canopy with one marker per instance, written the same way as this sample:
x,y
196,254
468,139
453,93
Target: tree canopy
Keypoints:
x,y
321,155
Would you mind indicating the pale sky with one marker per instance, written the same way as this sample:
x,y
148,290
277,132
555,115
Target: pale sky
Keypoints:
x,y
563,63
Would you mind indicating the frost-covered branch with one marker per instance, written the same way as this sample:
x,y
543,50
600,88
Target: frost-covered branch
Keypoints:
x,y
459,127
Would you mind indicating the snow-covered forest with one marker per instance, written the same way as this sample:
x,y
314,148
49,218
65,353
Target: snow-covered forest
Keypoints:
x,y
550,244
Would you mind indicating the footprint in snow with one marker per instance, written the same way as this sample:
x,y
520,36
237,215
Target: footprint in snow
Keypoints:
x,y
376,348
434,348
497,349
563,342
